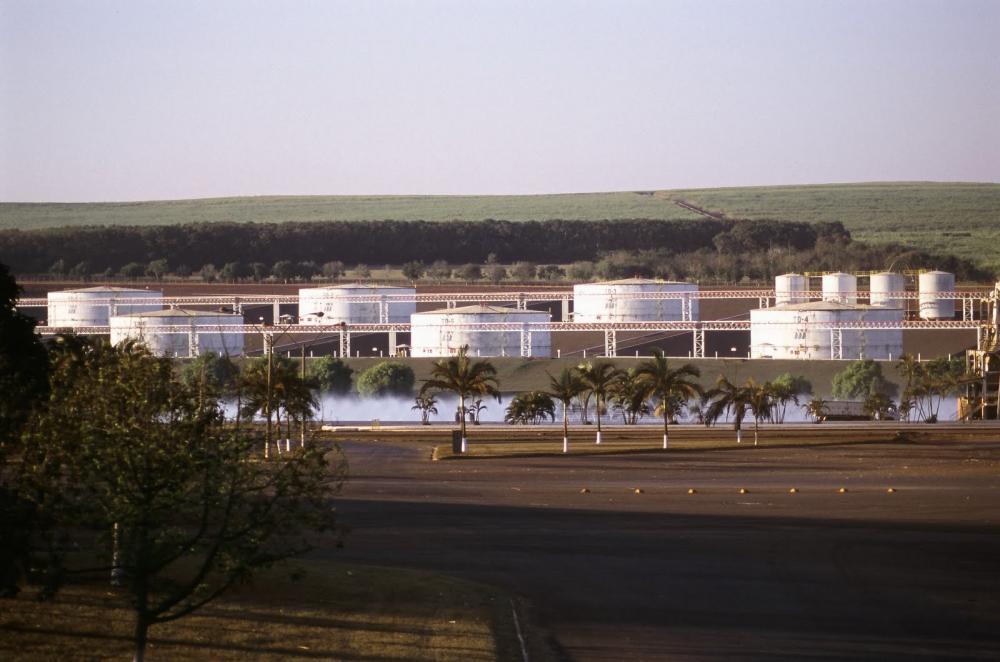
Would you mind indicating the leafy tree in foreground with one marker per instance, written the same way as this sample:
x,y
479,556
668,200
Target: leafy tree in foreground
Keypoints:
x,y
860,379
565,388
462,376
23,386
413,270
386,378
140,481
671,386
332,375
210,375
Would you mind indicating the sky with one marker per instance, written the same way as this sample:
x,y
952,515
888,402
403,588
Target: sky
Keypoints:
x,y
141,100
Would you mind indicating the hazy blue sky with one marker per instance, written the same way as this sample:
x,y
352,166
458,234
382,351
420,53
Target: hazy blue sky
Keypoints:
x,y
145,100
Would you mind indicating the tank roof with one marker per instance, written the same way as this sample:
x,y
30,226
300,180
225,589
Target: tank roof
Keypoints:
x,y
481,309
181,312
827,305
359,286
109,289
638,281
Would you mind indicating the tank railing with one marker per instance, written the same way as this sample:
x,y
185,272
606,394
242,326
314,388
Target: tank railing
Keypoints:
x,y
517,298
707,325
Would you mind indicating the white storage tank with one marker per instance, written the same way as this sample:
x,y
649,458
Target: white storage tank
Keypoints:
x,y
932,283
840,287
801,331
886,289
620,301
389,304
790,288
201,331
443,332
94,306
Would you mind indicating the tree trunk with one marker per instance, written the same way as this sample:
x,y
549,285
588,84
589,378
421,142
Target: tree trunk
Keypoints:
x,y
461,406
666,428
598,400
565,427
756,427
140,637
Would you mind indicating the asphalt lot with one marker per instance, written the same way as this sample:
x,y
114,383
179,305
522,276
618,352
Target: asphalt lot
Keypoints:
x,y
663,574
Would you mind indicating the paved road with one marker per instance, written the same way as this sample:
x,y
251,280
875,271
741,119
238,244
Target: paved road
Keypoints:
x,y
615,575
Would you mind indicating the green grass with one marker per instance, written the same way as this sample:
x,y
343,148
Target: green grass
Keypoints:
x,y
585,206
336,611
958,218
962,219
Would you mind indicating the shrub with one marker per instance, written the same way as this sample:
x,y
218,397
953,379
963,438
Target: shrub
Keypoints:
x,y
386,378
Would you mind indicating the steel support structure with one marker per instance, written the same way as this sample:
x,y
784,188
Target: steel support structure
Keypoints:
x,y
698,348
525,341
686,314
836,343
193,342
345,343
968,308
610,342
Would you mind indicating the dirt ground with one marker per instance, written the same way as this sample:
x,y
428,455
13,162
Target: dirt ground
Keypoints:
x,y
616,574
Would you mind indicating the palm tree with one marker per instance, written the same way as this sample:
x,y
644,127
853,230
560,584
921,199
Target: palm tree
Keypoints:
x,y
598,378
464,377
728,397
671,385
817,408
531,407
476,409
427,404
761,403
564,388
629,395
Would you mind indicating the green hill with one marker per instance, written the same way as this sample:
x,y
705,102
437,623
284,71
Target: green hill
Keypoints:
x,y
283,209
958,218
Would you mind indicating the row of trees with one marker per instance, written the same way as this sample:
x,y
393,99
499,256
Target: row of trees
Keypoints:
x,y
631,392
927,385
703,249
114,464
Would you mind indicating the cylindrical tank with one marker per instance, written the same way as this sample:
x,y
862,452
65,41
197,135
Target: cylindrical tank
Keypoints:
x,y
94,306
933,283
387,304
886,289
802,331
840,287
621,301
201,330
790,288
443,332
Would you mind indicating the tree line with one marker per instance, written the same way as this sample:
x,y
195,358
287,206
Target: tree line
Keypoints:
x,y
708,249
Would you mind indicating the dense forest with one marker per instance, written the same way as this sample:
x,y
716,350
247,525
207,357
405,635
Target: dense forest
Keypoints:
x,y
707,248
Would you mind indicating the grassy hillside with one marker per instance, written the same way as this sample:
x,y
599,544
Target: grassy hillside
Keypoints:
x,y
277,209
958,218
961,219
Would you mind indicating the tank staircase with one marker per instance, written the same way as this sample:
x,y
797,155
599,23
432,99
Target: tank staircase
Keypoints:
x,y
982,390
